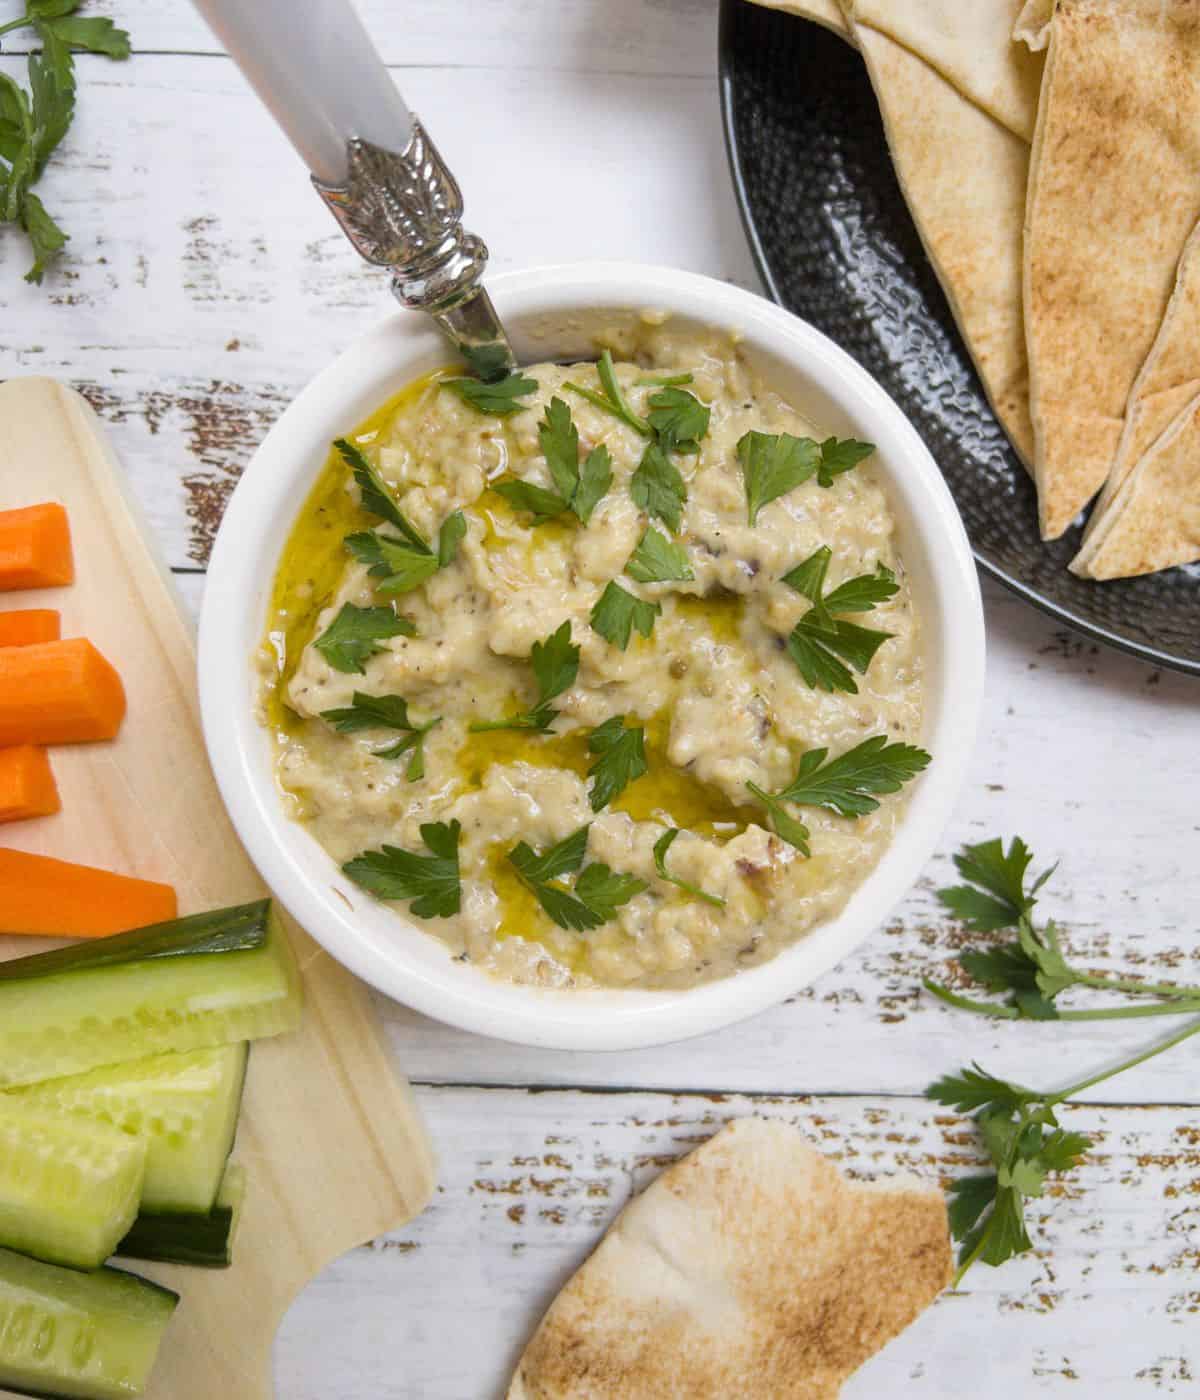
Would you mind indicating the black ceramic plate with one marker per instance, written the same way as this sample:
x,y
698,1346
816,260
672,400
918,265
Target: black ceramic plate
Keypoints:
x,y
835,243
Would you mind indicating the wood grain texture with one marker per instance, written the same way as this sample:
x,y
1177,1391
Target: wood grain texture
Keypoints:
x,y
329,1134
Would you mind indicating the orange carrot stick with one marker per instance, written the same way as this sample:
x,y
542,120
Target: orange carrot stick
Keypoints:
x,y
40,895
28,626
35,547
27,786
58,693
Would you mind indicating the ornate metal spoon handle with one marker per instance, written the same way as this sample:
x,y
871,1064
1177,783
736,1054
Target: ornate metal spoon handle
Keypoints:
x,y
403,210
371,161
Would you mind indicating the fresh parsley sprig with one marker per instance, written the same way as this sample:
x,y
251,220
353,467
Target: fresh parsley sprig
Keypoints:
x,y
775,463
386,712
373,490
617,613
598,891
657,487
498,397
555,665
578,488
819,639
658,559
679,419
34,121
612,398
848,785
1026,1144
354,636
401,564
431,882
621,759
1032,970
661,847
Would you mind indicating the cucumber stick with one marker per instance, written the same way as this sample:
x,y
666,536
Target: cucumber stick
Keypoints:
x,y
69,1187
185,1106
89,1336
211,979
202,1240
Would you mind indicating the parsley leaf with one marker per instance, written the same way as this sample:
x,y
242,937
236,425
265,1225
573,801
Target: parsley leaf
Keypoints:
x,y
540,502
819,639
401,565
994,896
578,489
376,498
841,456
843,784
353,636
773,464
598,892
974,1088
612,398
661,847
555,665
450,536
616,613
488,361
658,559
621,759
679,419
559,440
431,882
657,488
497,397
595,477
385,712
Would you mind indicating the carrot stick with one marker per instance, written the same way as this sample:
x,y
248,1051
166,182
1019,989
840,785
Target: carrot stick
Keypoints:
x,y
27,786
40,895
29,626
58,693
35,547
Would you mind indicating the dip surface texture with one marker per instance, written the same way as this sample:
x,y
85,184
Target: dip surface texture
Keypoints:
x,y
720,699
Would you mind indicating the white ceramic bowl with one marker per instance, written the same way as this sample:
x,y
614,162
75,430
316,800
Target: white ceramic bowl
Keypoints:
x,y
551,313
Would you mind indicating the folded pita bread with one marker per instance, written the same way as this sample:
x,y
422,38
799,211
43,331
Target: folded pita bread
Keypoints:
x,y
1114,193
1033,24
964,177
824,12
1153,521
750,1268
970,44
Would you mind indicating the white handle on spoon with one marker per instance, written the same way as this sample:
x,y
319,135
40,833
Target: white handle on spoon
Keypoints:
x,y
313,65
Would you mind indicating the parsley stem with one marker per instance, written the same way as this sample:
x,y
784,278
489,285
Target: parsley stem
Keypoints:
x,y
970,1259
1131,984
1000,1011
21,22
980,1008
1094,1079
668,381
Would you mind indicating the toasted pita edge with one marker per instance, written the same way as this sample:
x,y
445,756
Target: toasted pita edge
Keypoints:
x,y
822,12
1033,24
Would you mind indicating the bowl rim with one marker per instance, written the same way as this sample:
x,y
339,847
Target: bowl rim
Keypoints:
x,y
281,472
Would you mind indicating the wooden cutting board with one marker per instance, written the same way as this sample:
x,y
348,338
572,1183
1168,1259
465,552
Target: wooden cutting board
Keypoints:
x,y
330,1136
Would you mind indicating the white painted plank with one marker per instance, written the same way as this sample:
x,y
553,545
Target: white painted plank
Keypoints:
x,y
441,1309
610,36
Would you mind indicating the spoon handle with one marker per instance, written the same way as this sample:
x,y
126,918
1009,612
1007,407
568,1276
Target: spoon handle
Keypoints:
x,y
315,68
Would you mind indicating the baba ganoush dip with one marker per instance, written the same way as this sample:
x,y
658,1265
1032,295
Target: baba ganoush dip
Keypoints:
x,y
492,703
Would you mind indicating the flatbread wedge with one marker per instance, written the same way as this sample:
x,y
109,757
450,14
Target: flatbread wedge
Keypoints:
x,y
964,177
970,44
750,1268
823,12
1153,520
1114,192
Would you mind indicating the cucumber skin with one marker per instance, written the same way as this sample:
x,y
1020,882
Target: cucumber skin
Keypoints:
x,y
201,1241
111,1288
147,998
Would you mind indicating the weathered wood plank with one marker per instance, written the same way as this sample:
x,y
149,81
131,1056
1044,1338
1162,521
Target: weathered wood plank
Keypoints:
x,y
672,37
529,1182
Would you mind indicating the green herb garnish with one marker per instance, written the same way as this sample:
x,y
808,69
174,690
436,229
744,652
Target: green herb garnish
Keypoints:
x,y
33,122
385,712
661,847
844,785
376,498
353,637
657,488
616,614
819,638
576,488
621,759
658,559
612,399
773,464
678,418
665,380
555,665
598,891
839,456
497,397
431,882
401,564
1032,970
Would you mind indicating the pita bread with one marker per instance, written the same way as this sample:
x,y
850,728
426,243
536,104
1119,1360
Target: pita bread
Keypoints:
x,y
970,44
750,1268
964,176
1168,380
1153,521
824,12
1114,193
1033,24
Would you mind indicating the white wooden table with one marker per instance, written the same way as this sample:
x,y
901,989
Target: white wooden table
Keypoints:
x,y
204,284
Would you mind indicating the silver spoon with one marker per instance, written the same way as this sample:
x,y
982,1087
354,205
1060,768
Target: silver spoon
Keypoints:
x,y
313,65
